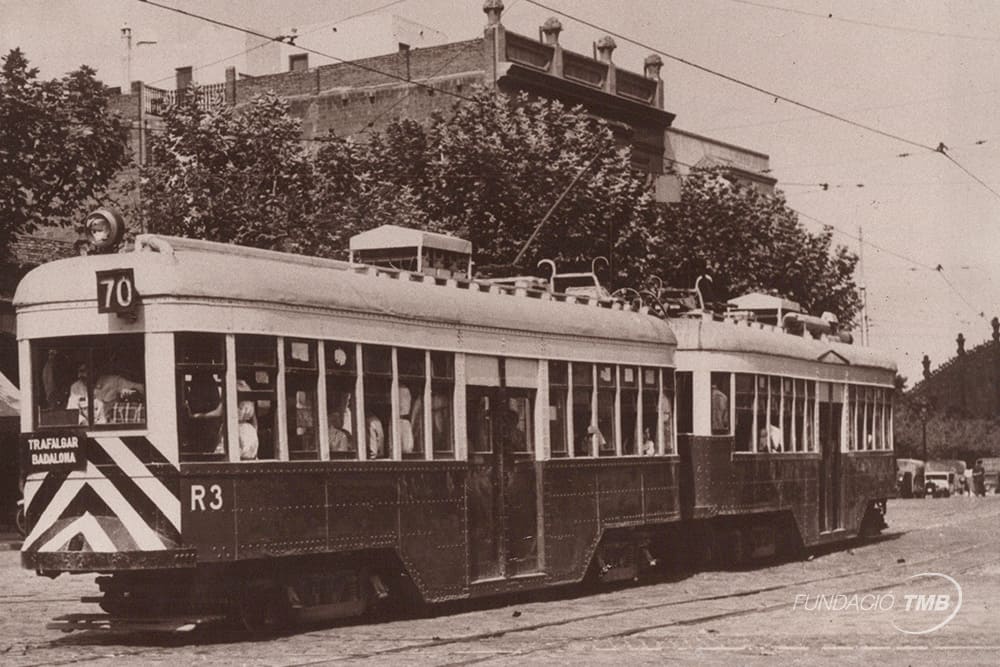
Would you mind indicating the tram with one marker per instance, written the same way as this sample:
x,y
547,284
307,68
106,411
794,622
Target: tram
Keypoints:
x,y
229,432
784,429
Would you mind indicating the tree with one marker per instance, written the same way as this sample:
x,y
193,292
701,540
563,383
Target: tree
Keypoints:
x,y
60,145
226,174
490,171
751,241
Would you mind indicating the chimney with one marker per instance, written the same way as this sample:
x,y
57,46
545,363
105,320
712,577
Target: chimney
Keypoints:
x,y
961,344
493,9
550,31
494,40
603,49
927,366
651,68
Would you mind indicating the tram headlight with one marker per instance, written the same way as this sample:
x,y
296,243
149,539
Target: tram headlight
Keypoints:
x,y
103,229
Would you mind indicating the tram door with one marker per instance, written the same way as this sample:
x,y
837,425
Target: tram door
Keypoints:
x,y
503,524
830,412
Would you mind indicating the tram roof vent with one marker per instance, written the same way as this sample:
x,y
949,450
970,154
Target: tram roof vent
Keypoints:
x,y
405,249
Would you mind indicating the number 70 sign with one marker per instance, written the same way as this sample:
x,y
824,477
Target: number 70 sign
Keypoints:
x,y
116,291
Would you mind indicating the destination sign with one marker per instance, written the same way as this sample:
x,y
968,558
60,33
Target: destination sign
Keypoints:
x,y
52,451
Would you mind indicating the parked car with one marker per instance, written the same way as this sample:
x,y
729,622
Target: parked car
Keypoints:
x,y
939,484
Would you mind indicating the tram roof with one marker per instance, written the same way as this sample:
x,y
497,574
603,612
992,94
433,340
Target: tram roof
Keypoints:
x,y
202,271
743,337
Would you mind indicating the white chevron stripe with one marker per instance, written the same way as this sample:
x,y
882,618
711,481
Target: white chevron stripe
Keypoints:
x,y
91,530
63,497
138,473
145,537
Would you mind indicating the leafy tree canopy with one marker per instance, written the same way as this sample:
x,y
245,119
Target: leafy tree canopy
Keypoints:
x,y
59,145
751,241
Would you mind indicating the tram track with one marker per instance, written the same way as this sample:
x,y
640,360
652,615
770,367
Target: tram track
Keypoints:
x,y
582,618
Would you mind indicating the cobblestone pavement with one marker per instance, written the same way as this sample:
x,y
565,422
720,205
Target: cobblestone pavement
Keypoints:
x,y
788,613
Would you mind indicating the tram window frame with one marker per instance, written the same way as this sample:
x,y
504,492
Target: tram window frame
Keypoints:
x,y
558,409
411,375
720,403
761,414
812,430
799,419
582,404
651,398
665,417
628,392
743,430
684,381
302,382
774,421
442,366
341,377
607,394
377,382
127,412
257,370
187,367
525,398
787,414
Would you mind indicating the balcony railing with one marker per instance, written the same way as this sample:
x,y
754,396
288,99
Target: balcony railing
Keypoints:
x,y
156,101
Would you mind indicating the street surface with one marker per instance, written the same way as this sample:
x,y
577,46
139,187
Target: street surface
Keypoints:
x,y
843,607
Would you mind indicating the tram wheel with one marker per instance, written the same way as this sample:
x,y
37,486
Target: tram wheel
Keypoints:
x,y
263,609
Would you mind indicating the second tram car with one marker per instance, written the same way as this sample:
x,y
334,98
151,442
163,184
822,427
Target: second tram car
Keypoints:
x,y
223,431
785,430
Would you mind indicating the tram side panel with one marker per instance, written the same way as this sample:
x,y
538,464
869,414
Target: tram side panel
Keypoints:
x,y
868,477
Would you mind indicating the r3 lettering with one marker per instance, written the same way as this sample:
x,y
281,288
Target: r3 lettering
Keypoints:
x,y
202,498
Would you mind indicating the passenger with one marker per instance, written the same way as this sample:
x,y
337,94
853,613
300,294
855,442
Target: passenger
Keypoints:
x,y
648,443
720,411
595,439
50,382
376,437
341,440
405,425
979,478
112,389
246,411
203,403
79,394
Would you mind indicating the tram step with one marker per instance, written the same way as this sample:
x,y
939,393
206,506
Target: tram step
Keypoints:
x,y
106,622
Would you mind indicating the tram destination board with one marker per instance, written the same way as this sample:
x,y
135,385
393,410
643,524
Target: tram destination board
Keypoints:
x,y
52,451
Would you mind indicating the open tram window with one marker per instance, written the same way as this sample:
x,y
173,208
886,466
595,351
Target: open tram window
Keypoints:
x,y
558,387
787,412
201,395
584,430
651,410
378,400
89,381
412,378
720,404
442,400
743,432
667,408
775,436
256,377
800,415
629,399
869,418
685,402
606,390
811,437
341,383
301,376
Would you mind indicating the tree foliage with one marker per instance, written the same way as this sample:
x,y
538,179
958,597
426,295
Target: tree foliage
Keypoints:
x,y
751,241
60,145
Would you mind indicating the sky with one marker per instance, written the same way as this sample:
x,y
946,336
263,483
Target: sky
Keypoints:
x,y
923,71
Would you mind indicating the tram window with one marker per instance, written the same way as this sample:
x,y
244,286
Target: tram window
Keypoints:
x,y
720,404
787,408
519,423
629,382
201,395
478,420
300,399
341,381
256,378
667,405
92,380
558,382
811,438
869,418
775,436
650,410
800,415
762,428
743,441
584,430
378,400
856,408
412,378
605,435
685,401
442,398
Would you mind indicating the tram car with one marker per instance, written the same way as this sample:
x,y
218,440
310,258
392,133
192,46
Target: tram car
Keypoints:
x,y
784,430
221,431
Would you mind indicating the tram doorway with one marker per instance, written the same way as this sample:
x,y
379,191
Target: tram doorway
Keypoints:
x,y
830,412
502,495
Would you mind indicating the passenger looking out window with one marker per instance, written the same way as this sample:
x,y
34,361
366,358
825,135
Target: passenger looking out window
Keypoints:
x,y
247,423
412,377
442,397
256,382
378,400
720,404
583,401
201,370
651,410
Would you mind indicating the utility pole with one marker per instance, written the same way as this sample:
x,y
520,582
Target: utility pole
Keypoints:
x,y
863,288
127,59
